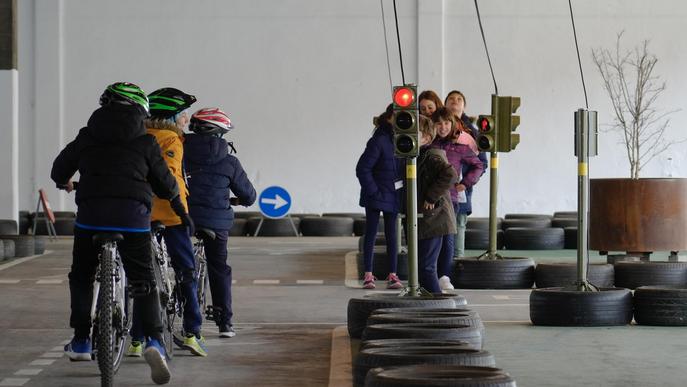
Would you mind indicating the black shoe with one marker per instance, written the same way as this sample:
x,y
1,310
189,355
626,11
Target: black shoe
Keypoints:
x,y
226,331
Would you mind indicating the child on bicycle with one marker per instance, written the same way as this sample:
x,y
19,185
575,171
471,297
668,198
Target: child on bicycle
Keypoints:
x,y
120,168
167,121
212,173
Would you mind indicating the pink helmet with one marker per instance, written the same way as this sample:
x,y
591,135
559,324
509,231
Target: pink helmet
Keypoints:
x,y
210,121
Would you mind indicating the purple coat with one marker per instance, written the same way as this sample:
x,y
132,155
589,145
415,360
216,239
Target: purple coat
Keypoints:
x,y
377,170
461,156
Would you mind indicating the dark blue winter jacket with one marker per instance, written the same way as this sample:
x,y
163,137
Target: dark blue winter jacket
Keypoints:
x,y
211,172
377,170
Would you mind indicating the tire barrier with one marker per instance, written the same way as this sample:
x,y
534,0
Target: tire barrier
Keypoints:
x,y
428,318
380,265
564,222
8,227
529,223
272,227
565,214
39,244
247,214
528,216
359,226
524,238
482,223
25,222
559,307
353,215
327,226
2,250
570,238
359,309
478,239
507,273
238,227
24,245
460,332
438,376
371,358
387,343
632,275
551,275
660,305
8,248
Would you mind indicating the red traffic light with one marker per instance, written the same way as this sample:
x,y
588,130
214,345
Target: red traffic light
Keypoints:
x,y
484,123
404,96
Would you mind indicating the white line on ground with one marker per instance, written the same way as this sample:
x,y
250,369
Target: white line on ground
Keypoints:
x,y
54,355
501,297
484,305
49,282
340,359
290,323
310,282
266,282
42,362
6,281
58,348
351,274
28,372
233,282
506,321
17,261
13,381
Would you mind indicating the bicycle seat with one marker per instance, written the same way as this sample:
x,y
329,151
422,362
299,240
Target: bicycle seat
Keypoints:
x,y
104,237
205,233
157,227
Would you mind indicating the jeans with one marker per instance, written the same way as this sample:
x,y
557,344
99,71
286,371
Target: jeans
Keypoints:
x,y
371,224
427,254
219,274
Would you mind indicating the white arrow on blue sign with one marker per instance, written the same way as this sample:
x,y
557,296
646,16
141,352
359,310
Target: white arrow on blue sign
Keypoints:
x,y
274,202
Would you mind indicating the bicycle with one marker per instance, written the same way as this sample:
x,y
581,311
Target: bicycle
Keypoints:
x,y
111,308
170,306
202,272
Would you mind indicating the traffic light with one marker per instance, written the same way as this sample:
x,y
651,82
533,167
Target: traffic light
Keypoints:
x,y
405,121
507,123
488,129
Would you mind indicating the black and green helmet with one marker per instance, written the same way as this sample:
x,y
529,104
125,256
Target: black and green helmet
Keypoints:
x,y
125,93
168,101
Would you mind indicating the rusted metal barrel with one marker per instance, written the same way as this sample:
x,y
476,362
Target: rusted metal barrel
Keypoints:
x,y
640,215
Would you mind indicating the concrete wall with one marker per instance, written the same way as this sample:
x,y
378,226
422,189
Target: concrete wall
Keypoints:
x,y
301,80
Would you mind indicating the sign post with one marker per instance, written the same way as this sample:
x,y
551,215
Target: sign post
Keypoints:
x,y
275,203
48,214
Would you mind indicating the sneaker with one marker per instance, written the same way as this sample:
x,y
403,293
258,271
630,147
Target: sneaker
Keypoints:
x,y
445,283
78,349
135,349
393,282
226,331
155,357
369,281
195,344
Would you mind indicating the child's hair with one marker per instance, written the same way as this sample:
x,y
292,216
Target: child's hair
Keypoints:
x,y
427,127
432,96
456,92
444,114
382,121
163,123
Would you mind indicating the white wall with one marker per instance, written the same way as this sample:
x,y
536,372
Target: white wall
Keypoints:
x,y
301,80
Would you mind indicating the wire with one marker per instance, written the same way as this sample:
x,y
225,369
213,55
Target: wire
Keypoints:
x,y
579,61
398,38
479,19
386,45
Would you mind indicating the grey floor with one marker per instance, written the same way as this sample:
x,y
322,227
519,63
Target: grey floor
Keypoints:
x,y
290,296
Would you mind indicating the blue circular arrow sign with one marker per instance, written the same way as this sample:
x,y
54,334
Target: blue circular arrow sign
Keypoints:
x,y
274,202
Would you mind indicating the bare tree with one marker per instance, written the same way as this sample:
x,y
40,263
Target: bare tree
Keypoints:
x,y
629,81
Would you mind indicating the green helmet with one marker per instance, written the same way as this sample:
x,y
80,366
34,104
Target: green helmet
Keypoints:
x,y
168,101
125,93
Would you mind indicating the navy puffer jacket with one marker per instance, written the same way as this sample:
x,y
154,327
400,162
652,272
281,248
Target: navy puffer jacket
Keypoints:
x,y
377,170
212,172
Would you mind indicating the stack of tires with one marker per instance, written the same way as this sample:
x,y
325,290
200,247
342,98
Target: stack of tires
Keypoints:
x,y
477,233
64,223
420,341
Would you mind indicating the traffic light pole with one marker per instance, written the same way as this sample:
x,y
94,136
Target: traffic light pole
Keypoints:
x,y
493,193
411,226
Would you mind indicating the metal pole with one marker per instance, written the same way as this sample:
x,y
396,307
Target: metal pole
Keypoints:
x,y
411,224
493,192
582,132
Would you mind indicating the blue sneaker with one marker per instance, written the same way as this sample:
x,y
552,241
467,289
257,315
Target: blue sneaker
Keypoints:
x,y
78,349
155,357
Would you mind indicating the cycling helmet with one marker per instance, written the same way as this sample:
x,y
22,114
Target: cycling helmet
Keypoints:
x,y
168,101
125,93
210,121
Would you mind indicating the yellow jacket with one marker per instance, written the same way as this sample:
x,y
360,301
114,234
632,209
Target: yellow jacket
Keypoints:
x,y
172,148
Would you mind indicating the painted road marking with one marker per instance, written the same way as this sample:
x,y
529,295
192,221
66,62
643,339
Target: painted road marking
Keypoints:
x,y
55,355
13,381
29,372
17,261
499,305
42,362
266,282
49,282
58,348
6,281
310,282
497,297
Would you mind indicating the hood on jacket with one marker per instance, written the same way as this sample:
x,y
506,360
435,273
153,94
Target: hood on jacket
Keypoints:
x,y
206,150
116,123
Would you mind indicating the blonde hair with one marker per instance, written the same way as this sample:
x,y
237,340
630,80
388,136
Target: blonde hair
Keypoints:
x,y
163,123
427,127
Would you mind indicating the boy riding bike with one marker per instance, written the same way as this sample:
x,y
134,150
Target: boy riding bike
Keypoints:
x,y
212,172
167,121
120,168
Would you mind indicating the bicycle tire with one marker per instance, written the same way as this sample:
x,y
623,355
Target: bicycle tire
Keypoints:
x,y
121,320
105,300
203,280
167,327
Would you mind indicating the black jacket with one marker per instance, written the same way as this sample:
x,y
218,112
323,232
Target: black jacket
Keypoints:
x,y
116,159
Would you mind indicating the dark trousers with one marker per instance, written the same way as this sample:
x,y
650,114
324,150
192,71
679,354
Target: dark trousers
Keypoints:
x,y
180,250
445,255
219,274
136,253
371,224
427,254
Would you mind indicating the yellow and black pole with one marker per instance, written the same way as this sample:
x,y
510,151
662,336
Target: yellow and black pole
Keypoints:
x,y
585,146
487,141
411,226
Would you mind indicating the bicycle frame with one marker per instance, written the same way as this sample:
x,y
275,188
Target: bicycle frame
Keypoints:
x,y
201,275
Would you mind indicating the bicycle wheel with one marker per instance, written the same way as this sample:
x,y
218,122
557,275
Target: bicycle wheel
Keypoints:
x,y
121,320
105,343
203,284
167,328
